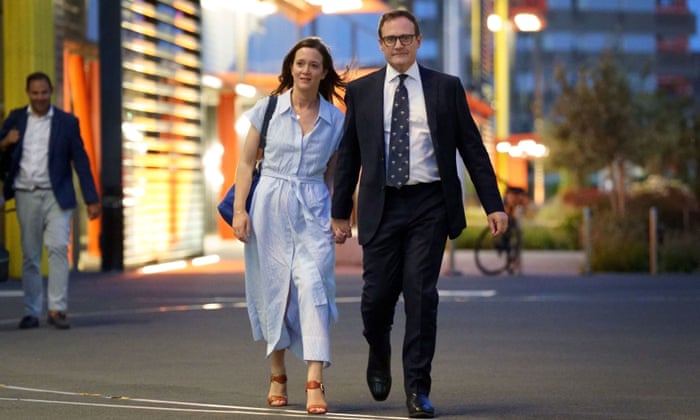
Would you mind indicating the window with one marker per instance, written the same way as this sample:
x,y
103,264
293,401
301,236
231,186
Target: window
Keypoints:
x,y
618,5
638,43
557,41
597,5
559,4
592,42
638,5
425,9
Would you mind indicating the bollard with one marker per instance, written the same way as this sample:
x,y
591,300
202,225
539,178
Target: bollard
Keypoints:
x,y
518,263
587,240
653,240
451,270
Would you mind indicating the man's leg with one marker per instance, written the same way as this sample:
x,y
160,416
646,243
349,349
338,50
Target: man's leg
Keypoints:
x,y
424,247
31,225
380,292
57,238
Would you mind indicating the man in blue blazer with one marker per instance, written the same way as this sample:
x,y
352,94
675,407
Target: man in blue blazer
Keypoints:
x,y
403,226
41,145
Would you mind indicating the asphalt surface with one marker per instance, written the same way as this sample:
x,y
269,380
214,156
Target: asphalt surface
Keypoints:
x,y
549,344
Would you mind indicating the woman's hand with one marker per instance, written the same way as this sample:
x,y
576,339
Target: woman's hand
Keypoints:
x,y
241,225
342,230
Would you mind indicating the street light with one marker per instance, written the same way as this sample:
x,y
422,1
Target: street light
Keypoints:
x,y
528,22
527,16
526,146
335,6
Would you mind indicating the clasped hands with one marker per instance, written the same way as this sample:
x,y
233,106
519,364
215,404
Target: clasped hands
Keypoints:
x,y
342,230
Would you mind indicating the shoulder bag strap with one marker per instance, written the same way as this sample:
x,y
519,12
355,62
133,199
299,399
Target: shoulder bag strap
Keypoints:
x,y
271,105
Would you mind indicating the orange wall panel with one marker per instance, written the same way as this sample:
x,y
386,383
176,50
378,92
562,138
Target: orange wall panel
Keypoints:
x,y
226,117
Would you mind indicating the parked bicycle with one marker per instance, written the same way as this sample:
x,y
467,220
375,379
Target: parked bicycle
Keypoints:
x,y
502,253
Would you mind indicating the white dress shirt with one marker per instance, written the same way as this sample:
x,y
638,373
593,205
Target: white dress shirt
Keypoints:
x,y
422,163
34,165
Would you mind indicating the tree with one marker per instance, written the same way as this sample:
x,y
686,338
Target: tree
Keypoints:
x,y
673,137
593,125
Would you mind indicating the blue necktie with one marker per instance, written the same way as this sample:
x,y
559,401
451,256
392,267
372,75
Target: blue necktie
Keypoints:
x,y
397,173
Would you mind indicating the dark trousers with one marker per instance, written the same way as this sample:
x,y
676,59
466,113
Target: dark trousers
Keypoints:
x,y
405,257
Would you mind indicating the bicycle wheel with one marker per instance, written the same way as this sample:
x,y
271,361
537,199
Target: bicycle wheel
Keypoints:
x,y
514,236
491,255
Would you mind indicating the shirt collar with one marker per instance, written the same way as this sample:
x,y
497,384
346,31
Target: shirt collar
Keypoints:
x,y
285,105
31,113
412,72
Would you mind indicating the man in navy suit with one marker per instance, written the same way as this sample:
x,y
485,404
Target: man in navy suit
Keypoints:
x,y
403,228
41,146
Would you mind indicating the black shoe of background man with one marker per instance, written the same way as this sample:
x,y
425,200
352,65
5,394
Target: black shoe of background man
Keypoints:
x,y
379,373
59,320
28,322
419,407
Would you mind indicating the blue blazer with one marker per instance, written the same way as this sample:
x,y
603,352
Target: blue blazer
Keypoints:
x,y
452,130
66,152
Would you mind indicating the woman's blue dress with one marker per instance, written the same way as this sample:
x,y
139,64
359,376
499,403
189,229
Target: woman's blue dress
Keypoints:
x,y
290,256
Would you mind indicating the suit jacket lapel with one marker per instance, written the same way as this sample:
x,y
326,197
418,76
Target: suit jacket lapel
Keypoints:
x,y
431,95
22,122
22,128
55,130
376,105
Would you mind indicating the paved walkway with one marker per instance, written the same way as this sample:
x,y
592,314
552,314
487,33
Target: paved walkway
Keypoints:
x,y
458,262
177,345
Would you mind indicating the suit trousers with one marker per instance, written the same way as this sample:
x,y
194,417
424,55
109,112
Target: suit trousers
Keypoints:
x,y
405,257
40,217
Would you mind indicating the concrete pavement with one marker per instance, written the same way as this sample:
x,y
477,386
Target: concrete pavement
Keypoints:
x,y
177,345
457,262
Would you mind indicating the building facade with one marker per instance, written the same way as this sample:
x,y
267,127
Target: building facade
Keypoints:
x,y
650,38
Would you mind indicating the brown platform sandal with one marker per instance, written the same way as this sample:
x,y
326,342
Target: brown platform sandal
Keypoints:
x,y
316,408
278,400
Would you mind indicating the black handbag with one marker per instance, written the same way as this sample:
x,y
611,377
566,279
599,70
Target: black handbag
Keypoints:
x,y
225,207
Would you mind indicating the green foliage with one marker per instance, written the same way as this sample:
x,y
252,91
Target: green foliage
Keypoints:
x,y
592,122
621,244
598,122
671,140
676,205
467,239
680,253
551,227
618,244
534,238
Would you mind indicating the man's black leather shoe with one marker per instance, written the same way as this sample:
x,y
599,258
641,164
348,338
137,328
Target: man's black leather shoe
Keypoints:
x,y
419,407
59,320
28,322
379,374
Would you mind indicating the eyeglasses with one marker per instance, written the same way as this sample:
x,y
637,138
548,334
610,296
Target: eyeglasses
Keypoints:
x,y
390,40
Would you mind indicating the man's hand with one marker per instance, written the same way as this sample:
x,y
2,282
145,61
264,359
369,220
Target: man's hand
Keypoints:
x,y
94,210
498,222
11,138
342,230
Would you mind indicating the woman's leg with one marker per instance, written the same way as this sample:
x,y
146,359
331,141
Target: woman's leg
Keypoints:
x,y
315,398
277,397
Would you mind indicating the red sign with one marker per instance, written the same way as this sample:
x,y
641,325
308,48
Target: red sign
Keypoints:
x,y
536,7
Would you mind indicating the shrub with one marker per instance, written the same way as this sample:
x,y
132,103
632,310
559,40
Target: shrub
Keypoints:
x,y
679,253
618,243
534,237
467,238
621,243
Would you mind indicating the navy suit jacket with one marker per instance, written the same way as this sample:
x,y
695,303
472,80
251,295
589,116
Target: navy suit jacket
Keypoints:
x,y
452,130
66,151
